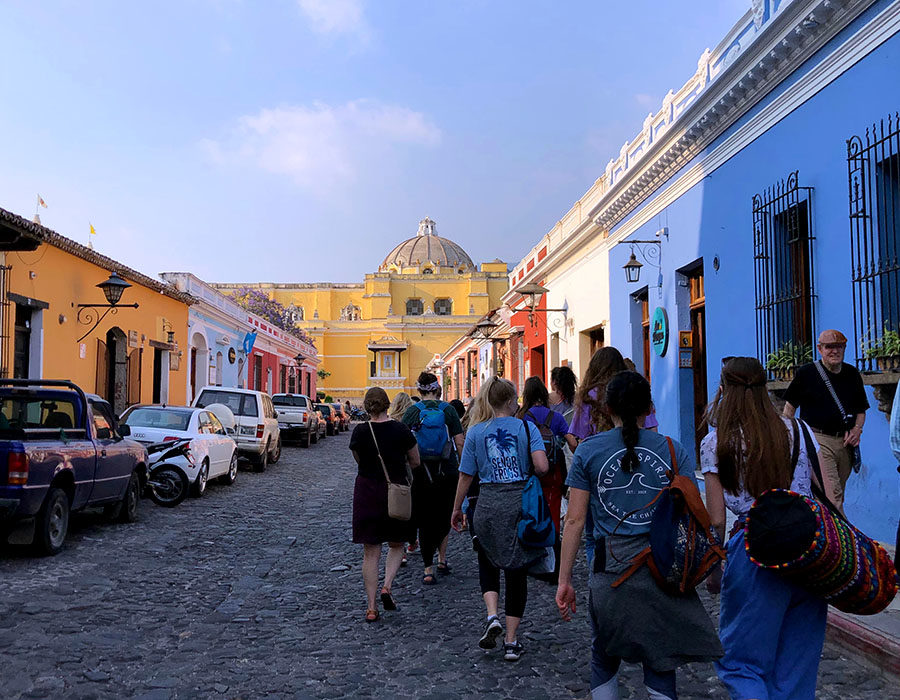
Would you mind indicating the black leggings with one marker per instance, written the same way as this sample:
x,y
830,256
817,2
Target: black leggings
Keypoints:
x,y
516,585
433,506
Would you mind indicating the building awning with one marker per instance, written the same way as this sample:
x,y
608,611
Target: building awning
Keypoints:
x,y
388,343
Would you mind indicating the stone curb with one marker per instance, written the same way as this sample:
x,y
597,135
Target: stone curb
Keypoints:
x,y
871,645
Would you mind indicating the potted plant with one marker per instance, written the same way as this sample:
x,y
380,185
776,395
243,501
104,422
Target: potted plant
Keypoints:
x,y
783,362
885,350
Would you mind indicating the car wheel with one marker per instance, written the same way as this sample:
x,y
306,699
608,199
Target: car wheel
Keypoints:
x,y
276,453
52,523
130,500
230,476
262,461
198,488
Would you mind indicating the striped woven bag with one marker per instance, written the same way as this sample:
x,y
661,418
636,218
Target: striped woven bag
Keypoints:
x,y
809,542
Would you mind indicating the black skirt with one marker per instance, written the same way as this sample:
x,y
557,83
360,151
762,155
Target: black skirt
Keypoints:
x,y
371,524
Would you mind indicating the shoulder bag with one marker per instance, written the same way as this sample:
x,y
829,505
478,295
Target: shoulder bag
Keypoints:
x,y
399,496
809,542
848,419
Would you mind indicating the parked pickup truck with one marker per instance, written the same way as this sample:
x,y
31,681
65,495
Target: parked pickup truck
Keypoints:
x,y
296,418
62,451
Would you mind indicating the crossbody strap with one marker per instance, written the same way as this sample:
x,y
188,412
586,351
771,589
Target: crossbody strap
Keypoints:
x,y
831,390
530,460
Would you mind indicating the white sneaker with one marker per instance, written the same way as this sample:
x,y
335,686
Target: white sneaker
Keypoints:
x,y
513,651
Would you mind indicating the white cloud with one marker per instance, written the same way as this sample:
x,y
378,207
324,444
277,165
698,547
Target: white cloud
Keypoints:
x,y
322,146
334,16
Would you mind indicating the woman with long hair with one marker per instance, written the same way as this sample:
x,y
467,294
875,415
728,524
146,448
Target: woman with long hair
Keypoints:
x,y
399,405
501,452
563,385
380,444
772,631
555,433
590,414
617,474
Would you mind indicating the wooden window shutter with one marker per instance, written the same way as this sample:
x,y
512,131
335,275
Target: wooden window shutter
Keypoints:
x,y
133,371
101,383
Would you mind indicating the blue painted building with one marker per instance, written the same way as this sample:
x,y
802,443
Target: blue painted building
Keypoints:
x,y
767,213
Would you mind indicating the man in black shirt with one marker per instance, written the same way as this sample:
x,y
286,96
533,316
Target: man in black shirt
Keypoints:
x,y
836,431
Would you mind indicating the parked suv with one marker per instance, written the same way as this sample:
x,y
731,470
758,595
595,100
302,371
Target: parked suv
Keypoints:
x,y
258,437
296,418
331,421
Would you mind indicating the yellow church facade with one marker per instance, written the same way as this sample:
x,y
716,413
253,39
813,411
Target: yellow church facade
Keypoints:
x,y
386,330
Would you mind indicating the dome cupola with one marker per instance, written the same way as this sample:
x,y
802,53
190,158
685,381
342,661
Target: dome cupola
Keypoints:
x,y
427,252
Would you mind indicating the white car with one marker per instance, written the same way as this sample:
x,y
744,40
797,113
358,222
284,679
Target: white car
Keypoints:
x,y
213,454
258,436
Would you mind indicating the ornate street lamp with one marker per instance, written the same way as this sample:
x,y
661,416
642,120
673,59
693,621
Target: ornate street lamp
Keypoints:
x,y
483,329
112,290
650,251
532,291
632,269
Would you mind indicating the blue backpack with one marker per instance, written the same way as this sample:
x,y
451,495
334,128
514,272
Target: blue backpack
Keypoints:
x,y
432,433
536,529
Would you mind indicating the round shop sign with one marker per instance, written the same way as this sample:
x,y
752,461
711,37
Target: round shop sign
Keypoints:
x,y
659,331
232,355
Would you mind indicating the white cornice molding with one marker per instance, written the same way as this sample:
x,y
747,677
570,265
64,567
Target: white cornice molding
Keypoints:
x,y
587,237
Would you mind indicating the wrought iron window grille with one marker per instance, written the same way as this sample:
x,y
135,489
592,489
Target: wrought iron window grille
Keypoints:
x,y
783,247
873,168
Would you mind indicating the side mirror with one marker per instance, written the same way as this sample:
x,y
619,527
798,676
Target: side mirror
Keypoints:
x,y
124,430
230,431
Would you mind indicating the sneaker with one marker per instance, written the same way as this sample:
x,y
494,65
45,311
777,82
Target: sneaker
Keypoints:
x,y
512,652
492,630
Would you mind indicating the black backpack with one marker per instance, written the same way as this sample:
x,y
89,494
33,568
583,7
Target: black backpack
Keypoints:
x,y
556,457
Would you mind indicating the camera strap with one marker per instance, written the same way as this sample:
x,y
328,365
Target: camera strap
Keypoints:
x,y
824,375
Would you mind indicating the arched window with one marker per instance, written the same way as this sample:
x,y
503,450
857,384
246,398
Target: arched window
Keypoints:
x,y
414,307
428,271
443,307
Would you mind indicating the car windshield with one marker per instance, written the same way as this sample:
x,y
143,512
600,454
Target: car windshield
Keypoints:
x,y
283,400
326,410
164,418
51,411
240,404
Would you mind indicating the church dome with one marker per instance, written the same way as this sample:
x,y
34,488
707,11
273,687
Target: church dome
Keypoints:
x,y
427,249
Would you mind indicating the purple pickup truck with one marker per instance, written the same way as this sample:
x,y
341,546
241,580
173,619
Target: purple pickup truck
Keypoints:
x,y
62,450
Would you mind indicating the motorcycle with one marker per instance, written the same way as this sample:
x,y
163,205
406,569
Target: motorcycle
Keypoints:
x,y
358,414
167,483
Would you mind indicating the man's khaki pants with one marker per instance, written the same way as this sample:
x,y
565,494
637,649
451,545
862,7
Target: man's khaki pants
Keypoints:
x,y
834,459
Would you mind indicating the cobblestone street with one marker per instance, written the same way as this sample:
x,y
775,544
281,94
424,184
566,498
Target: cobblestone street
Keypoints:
x,y
243,593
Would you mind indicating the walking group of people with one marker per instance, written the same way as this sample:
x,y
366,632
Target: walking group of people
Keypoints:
x,y
601,461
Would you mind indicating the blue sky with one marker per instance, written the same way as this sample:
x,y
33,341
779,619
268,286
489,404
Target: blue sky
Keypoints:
x,y
300,140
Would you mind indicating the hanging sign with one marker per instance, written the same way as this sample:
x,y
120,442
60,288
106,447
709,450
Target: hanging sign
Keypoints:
x,y
659,331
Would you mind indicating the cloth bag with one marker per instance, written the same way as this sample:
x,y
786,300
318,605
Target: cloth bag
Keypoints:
x,y
812,544
399,496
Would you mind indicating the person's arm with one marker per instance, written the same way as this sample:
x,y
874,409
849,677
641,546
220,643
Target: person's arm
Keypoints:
x,y
462,489
412,457
789,410
715,505
539,459
459,441
571,441
355,455
575,516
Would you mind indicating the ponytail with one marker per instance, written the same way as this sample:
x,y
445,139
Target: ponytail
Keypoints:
x,y
628,397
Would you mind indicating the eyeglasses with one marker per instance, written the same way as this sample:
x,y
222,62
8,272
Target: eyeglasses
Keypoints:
x,y
833,346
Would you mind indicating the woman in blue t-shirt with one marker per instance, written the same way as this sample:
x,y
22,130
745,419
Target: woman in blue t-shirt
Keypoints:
x,y
618,474
501,452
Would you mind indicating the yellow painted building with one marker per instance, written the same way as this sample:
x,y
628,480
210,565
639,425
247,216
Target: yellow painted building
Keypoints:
x,y
132,355
388,329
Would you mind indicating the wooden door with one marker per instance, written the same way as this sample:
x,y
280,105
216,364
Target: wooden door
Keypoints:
x,y
101,382
133,376
698,337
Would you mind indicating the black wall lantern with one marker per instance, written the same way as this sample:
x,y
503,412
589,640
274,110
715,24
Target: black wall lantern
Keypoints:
x,y
112,290
650,251
632,269
530,293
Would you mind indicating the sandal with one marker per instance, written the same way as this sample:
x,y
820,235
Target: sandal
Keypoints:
x,y
443,568
387,600
372,616
429,579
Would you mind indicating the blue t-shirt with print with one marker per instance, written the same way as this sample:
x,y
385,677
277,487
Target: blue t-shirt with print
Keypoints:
x,y
615,493
498,450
